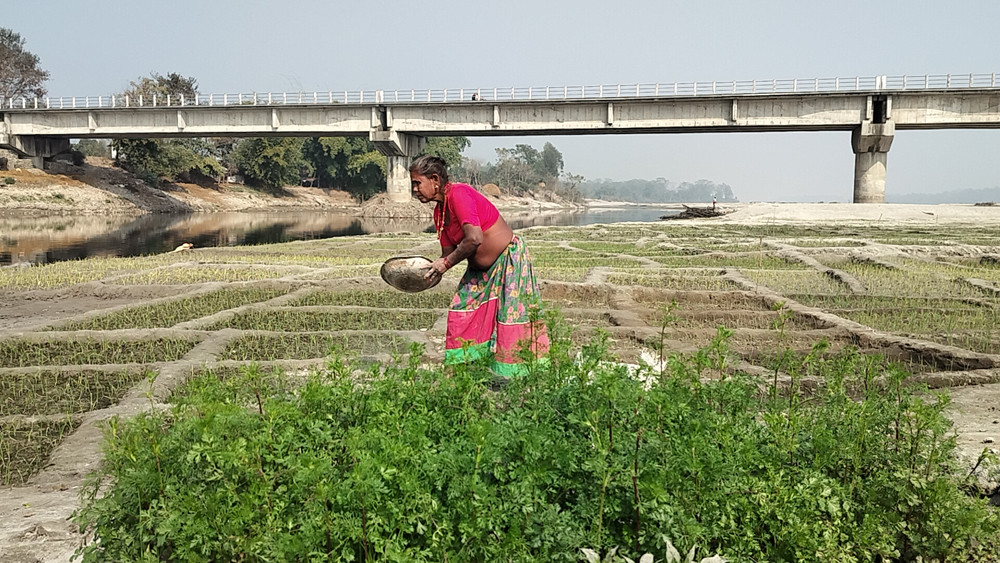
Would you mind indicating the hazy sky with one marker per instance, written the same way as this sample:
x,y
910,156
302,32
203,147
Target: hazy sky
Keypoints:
x,y
95,48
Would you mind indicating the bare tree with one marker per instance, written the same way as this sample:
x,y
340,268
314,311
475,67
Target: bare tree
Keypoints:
x,y
19,71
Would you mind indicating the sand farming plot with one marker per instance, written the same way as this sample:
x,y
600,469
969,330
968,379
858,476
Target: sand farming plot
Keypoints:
x,y
141,327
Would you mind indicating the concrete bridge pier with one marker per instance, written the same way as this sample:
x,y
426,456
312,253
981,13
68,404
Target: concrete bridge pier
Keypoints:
x,y
871,142
37,149
399,149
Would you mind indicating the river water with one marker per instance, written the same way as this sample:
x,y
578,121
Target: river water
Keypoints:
x,y
55,238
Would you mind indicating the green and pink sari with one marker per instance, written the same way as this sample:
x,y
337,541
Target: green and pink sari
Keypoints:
x,y
491,314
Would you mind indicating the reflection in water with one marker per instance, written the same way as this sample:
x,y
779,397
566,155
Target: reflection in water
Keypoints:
x,y
53,239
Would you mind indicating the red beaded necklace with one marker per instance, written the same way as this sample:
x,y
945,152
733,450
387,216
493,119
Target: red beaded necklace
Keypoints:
x,y
441,219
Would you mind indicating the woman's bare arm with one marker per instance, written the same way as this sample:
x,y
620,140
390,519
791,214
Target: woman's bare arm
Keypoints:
x,y
451,255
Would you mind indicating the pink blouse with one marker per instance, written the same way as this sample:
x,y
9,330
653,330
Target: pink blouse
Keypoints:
x,y
465,205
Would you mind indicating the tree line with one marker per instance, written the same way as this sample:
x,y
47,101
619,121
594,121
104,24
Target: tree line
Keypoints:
x,y
659,190
347,163
351,164
523,170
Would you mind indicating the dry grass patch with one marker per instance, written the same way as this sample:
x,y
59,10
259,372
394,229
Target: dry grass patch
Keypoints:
x,y
824,243
301,259
691,281
759,261
17,352
561,274
343,272
865,302
732,319
972,268
25,448
49,392
629,248
883,281
697,300
593,296
796,360
174,312
376,298
200,274
288,320
570,259
265,347
797,281
63,274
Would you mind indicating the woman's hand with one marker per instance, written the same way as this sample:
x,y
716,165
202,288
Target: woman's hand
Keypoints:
x,y
437,269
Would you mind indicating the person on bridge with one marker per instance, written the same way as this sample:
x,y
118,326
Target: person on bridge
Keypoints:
x,y
497,305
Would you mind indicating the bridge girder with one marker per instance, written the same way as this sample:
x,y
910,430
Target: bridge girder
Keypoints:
x,y
36,148
398,128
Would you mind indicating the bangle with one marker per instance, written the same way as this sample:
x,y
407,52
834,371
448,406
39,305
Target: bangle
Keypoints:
x,y
447,263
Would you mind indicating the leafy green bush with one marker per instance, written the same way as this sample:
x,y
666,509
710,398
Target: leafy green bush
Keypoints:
x,y
148,176
9,180
174,159
426,464
92,147
271,162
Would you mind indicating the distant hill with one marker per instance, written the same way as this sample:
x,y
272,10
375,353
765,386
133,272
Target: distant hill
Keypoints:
x,y
955,196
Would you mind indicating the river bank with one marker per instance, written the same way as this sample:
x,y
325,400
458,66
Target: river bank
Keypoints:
x,y
99,188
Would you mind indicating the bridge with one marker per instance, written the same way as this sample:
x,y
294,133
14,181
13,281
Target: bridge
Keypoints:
x,y
399,121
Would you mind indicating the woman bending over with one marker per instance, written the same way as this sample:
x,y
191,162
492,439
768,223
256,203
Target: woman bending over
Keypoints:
x,y
491,311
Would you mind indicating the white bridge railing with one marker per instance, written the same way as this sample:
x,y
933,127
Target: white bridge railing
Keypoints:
x,y
885,83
